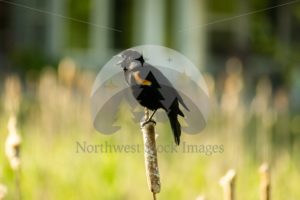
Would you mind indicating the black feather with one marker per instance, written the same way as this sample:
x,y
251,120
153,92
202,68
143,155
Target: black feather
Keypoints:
x,y
159,95
175,126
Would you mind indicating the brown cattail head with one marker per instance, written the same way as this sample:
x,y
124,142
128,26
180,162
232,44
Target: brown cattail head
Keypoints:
x,y
227,182
150,153
67,71
12,144
3,191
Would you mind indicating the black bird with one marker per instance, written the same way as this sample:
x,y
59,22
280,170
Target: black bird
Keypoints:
x,y
152,89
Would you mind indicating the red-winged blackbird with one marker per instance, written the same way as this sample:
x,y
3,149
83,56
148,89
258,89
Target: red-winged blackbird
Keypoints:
x,y
152,89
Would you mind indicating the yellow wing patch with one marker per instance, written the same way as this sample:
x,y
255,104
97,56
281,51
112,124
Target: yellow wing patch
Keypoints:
x,y
139,79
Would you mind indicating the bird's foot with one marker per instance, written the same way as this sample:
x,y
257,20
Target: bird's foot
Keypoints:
x,y
148,121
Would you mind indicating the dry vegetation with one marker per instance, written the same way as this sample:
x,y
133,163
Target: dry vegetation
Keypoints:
x,y
53,114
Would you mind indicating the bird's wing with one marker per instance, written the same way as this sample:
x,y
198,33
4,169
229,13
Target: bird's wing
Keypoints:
x,y
170,93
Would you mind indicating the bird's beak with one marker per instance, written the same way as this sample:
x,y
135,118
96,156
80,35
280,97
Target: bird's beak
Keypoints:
x,y
119,57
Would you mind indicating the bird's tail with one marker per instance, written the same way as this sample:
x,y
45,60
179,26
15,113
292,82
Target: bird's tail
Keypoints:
x,y
175,126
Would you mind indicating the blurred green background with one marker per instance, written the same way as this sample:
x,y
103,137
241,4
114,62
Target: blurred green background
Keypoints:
x,y
248,52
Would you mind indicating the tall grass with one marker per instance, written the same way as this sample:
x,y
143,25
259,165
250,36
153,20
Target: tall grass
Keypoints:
x,y
54,115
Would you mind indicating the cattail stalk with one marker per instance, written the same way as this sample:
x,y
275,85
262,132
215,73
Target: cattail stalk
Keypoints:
x,y
265,185
13,94
150,153
228,183
3,191
12,150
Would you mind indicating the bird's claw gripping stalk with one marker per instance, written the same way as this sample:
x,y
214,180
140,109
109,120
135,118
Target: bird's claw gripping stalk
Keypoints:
x,y
148,119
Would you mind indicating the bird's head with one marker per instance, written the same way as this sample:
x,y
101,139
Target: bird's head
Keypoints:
x,y
130,59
